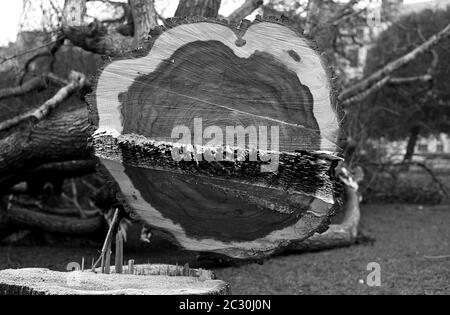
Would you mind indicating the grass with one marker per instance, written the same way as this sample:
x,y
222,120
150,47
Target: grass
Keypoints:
x,y
412,247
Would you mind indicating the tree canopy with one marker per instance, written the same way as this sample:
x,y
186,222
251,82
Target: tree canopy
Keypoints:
x,y
417,101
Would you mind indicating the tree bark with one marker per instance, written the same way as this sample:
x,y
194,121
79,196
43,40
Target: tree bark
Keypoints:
x,y
62,136
47,282
97,38
412,140
337,235
204,8
51,223
92,37
313,15
144,18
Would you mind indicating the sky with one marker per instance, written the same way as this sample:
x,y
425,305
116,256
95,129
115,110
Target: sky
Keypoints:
x,y
10,11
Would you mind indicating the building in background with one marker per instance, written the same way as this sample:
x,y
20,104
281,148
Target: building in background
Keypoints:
x,y
433,151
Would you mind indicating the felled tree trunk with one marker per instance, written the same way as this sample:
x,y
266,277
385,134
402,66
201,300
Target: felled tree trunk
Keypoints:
x,y
266,83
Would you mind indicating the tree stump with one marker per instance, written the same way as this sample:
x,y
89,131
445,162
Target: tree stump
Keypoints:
x,y
222,137
153,280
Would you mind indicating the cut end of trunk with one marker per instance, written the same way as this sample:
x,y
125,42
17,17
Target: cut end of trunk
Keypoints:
x,y
217,136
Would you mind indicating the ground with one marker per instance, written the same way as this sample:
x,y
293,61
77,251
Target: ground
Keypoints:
x,y
412,246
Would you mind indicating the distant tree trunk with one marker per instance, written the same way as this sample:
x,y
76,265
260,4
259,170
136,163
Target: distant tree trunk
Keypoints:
x,y
205,8
413,136
144,17
314,8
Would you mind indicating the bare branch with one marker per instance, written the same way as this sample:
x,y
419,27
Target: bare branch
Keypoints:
x,y
32,84
387,80
244,10
361,96
421,78
77,80
378,79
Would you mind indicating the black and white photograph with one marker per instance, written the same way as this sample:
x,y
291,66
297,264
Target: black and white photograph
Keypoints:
x,y
224,152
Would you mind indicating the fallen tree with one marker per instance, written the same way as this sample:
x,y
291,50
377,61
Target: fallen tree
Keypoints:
x,y
39,141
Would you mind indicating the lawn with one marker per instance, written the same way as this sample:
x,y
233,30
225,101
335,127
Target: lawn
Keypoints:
x,y
411,244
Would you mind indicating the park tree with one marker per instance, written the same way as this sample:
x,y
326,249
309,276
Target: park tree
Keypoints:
x,y
417,102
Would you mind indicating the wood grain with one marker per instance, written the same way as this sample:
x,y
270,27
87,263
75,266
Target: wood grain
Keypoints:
x,y
272,39
260,75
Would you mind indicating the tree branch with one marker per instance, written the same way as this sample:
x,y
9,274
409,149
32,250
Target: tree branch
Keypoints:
x,y
420,78
95,37
244,10
51,223
61,137
385,81
32,84
92,37
77,80
378,79
365,93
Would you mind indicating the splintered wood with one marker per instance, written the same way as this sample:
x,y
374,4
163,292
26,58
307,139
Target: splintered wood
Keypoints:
x,y
224,138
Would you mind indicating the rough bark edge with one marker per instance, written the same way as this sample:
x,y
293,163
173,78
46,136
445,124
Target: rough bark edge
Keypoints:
x,y
114,188
153,154
337,235
11,284
165,270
